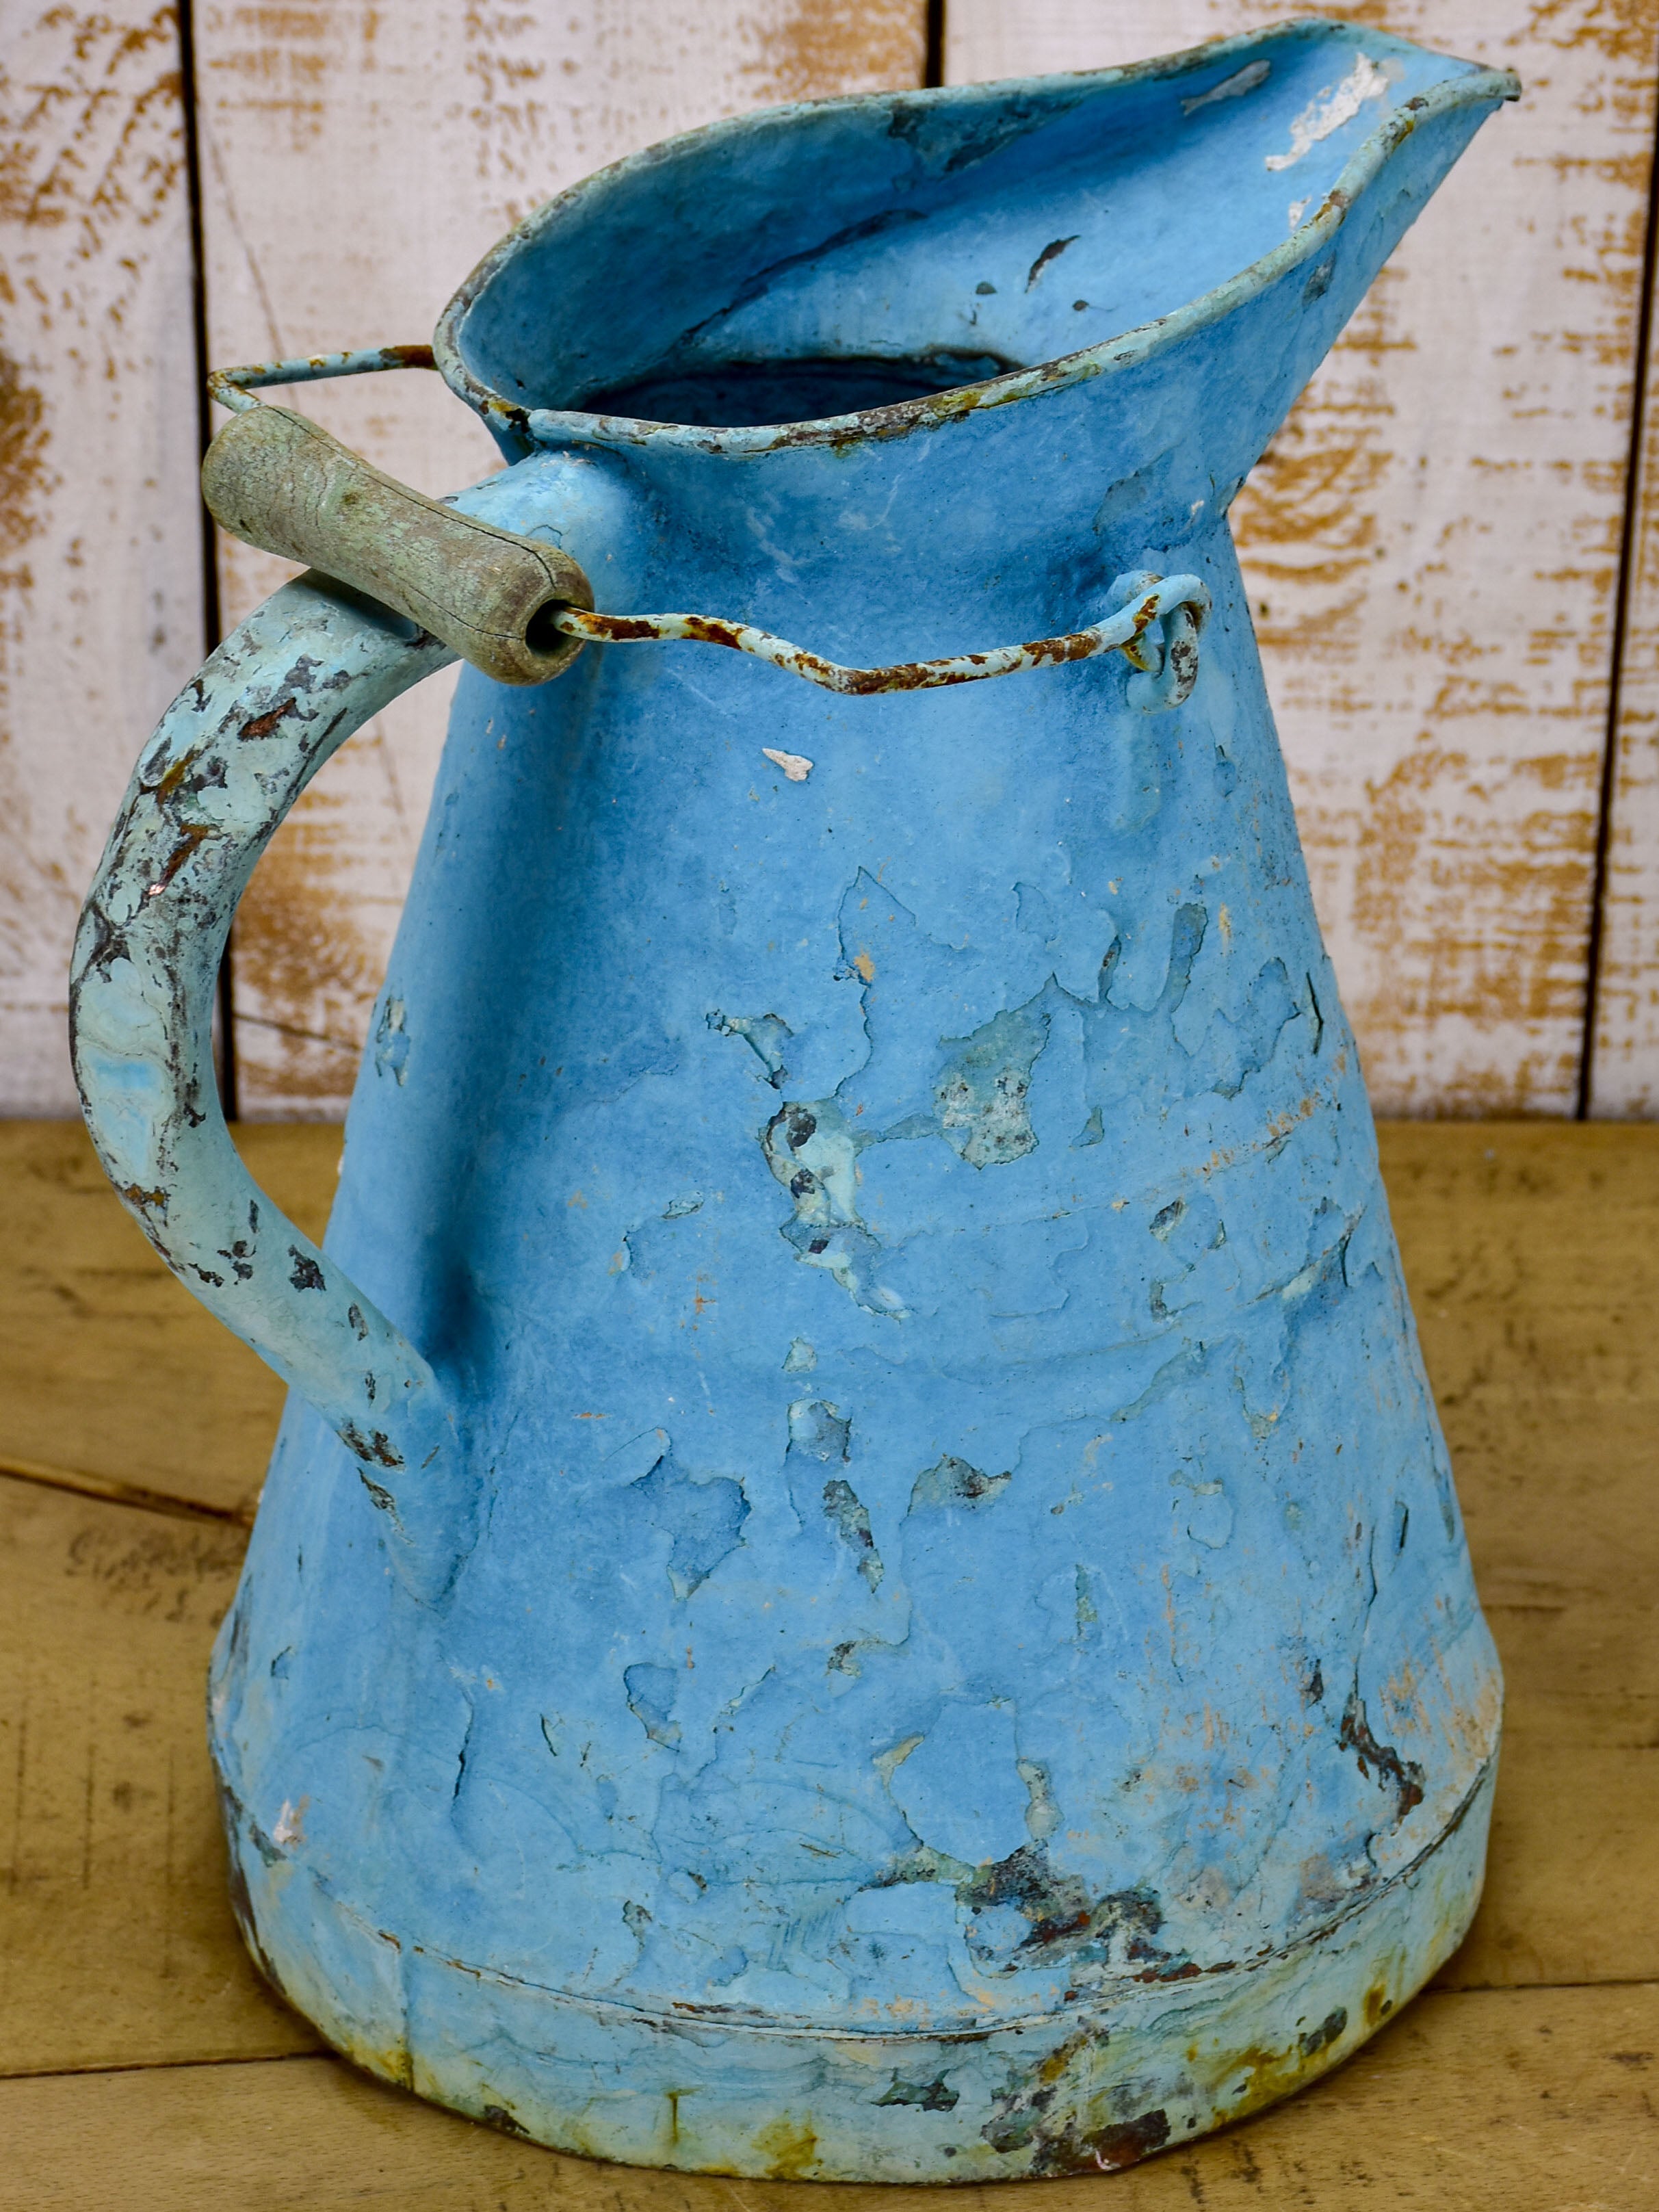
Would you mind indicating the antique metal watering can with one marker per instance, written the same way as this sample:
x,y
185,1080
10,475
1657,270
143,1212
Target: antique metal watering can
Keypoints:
x,y
860,1579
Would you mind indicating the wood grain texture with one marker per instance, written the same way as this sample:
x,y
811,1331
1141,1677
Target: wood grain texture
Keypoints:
x,y
357,163
1432,542
1539,2100
1572,1828
115,1926
109,1370
100,549
1534,1255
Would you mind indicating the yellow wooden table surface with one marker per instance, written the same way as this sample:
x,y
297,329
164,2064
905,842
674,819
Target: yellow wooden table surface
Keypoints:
x,y
144,2065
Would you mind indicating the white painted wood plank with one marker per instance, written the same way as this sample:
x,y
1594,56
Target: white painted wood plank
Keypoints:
x,y
357,162
1432,545
101,548
1624,1067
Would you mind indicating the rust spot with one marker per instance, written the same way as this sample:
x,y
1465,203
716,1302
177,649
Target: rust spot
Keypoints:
x,y
626,627
265,725
1187,1972
1130,2142
1355,1735
1253,2077
1021,2122
1051,252
173,782
790,2148
191,835
375,1449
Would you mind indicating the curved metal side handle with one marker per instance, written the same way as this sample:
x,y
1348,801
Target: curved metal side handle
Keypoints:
x,y
232,755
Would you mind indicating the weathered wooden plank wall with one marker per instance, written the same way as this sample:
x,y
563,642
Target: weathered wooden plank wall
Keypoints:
x,y
1435,540
100,543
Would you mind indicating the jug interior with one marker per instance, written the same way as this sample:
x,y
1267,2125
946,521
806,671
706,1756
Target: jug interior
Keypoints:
x,y
744,394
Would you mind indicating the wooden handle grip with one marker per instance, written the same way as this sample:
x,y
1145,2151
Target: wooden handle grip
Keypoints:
x,y
277,481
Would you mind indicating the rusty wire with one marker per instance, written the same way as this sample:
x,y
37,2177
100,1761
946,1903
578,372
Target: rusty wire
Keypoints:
x,y
1184,599
233,387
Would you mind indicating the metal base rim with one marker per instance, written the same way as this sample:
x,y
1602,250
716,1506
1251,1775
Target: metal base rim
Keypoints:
x,y
1085,2090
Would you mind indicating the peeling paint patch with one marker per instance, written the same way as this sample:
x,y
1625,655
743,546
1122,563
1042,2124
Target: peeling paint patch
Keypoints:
x,y
1328,2032
289,1826
952,1481
1130,2141
651,1691
981,1097
1331,110
796,766
1405,1776
765,1035
812,1151
1042,1814
1230,87
704,1521
850,1519
391,1042
820,1430
934,2096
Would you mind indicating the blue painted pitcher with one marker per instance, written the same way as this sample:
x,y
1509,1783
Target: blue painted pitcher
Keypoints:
x,y
860,1579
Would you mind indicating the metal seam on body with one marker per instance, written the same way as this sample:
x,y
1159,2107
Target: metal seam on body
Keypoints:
x,y
715,2019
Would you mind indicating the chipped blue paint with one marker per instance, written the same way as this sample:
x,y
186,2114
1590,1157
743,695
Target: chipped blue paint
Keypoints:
x,y
908,1618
